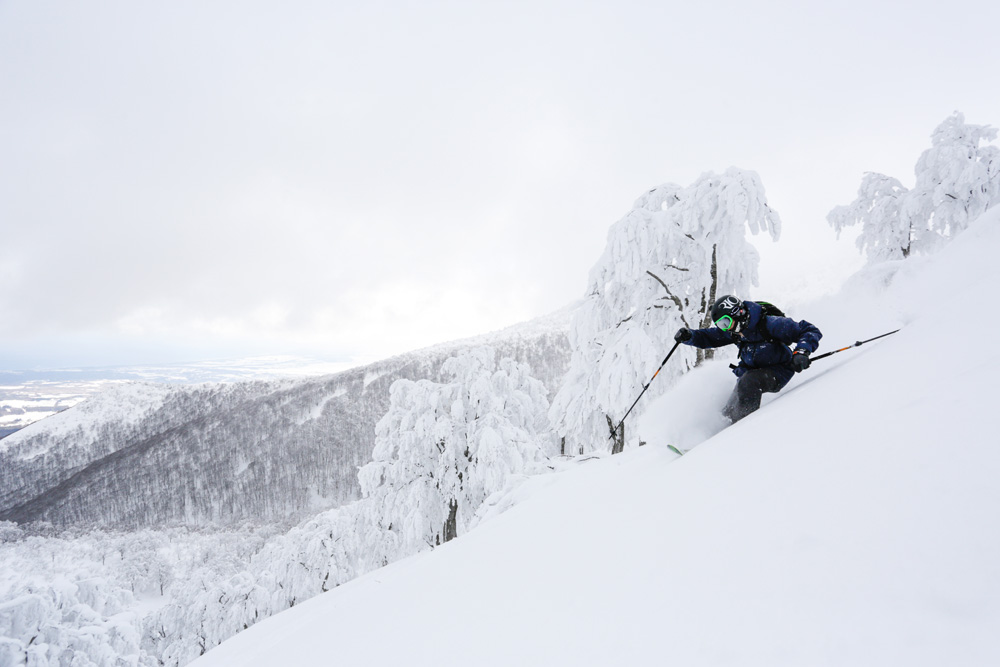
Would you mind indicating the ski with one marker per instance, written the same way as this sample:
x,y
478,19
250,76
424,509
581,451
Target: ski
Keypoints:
x,y
675,450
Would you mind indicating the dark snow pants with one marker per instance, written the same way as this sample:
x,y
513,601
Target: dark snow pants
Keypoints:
x,y
750,387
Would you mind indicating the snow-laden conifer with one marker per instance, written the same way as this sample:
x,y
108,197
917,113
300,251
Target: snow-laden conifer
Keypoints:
x,y
957,179
443,448
664,264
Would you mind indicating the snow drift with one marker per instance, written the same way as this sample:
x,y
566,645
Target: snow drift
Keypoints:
x,y
850,521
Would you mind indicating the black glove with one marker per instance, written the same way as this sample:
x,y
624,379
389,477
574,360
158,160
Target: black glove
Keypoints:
x,y
800,360
683,335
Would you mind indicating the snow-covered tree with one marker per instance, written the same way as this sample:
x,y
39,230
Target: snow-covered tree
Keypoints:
x,y
60,604
443,448
886,234
665,263
957,179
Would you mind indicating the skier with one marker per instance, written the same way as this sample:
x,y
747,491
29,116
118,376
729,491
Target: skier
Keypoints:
x,y
766,362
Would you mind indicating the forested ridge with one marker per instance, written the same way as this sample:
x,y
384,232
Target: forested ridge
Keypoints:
x,y
224,454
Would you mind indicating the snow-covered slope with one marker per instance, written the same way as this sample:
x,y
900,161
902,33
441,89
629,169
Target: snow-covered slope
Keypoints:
x,y
852,521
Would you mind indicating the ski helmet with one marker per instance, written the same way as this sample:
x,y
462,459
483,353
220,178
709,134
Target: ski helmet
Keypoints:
x,y
729,313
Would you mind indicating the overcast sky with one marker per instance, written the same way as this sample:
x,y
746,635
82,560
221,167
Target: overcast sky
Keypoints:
x,y
183,180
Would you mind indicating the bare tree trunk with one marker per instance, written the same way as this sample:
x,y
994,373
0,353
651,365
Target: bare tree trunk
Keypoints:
x,y
707,301
713,289
450,531
618,437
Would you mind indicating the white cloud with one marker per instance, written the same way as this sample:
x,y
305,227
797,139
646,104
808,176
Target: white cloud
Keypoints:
x,y
217,172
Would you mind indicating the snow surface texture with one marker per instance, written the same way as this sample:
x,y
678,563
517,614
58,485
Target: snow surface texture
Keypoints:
x,y
851,521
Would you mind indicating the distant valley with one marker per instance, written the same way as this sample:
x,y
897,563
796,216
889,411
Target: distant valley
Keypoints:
x,y
189,449
28,396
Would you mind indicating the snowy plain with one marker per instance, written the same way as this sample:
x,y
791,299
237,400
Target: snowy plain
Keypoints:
x,y
851,521
28,396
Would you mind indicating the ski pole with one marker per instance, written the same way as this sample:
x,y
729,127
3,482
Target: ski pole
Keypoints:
x,y
644,388
858,344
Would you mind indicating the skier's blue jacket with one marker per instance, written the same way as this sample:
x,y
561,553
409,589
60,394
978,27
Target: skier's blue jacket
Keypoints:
x,y
763,342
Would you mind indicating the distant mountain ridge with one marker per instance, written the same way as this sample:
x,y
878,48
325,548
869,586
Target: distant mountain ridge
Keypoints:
x,y
142,455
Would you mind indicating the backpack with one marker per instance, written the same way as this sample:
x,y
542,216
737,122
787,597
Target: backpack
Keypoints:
x,y
770,310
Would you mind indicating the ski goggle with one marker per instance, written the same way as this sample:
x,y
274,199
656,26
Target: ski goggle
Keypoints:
x,y
725,323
